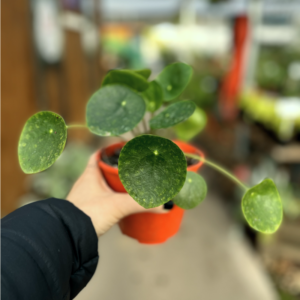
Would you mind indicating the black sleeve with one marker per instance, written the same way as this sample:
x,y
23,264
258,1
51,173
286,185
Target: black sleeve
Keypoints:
x,y
48,251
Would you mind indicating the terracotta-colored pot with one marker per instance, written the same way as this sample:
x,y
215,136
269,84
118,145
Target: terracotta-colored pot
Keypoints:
x,y
147,228
110,173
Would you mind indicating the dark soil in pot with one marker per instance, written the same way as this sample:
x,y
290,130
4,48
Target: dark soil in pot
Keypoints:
x,y
113,160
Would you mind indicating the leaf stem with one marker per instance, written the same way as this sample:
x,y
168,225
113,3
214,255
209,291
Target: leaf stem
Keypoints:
x,y
76,126
145,125
137,130
151,131
133,133
221,170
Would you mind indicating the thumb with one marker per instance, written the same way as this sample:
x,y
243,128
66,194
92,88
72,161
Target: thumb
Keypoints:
x,y
93,173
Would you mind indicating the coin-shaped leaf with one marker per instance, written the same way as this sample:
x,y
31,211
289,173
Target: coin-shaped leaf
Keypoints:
x,y
262,207
152,170
126,77
173,114
186,130
144,72
41,142
174,79
153,96
114,110
193,192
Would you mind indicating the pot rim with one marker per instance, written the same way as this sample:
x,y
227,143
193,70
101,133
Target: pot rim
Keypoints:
x,y
191,149
111,169
105,166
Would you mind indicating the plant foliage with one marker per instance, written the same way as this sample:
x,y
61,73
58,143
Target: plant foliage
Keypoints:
x,y
114,110
173,114
193,192
262,207
152,170
42,141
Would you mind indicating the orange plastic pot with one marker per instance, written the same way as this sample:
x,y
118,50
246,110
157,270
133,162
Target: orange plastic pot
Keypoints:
x,y
110,173
147,228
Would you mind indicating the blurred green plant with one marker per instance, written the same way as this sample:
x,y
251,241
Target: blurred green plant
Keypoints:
x,y
59,179
277,70
281,115
204,86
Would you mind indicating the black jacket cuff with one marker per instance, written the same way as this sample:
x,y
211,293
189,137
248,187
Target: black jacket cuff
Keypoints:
x,y
49,250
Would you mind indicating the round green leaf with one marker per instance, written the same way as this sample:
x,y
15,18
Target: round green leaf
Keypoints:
x,y
153,96
186,130
126,77
42,141
152,170
173,79
193,192
262,207
144,72
114,110
173,114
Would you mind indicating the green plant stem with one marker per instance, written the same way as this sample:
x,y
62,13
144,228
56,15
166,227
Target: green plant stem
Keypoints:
x,y
145,125
151,131
133,133
76,126
218,168
137,130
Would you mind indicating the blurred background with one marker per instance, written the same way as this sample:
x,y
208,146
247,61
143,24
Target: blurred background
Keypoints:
x,y
246,61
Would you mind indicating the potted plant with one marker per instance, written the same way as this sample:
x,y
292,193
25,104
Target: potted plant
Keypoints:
x,y
152,169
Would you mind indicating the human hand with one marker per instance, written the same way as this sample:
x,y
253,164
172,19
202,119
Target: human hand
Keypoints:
x,y
95,198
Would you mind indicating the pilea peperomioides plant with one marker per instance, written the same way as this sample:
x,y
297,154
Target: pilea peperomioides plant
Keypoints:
x,y
152,169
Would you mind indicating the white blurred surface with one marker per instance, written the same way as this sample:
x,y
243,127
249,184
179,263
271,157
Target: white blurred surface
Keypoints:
x,y
207,259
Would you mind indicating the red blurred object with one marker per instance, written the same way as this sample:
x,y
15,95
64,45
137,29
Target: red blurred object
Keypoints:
x,y
147,228
232,82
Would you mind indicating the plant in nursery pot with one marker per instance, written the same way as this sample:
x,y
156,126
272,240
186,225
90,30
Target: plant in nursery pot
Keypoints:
x,y
153,170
